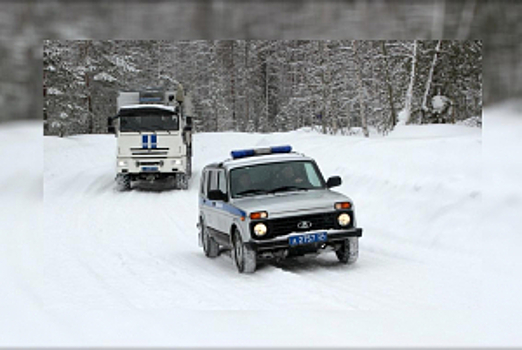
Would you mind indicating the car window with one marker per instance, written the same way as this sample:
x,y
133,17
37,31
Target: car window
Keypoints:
x,y
203,187
274,177
211,181
311,174
222,181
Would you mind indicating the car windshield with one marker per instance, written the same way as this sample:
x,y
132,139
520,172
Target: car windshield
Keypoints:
x,y
146,122
275,177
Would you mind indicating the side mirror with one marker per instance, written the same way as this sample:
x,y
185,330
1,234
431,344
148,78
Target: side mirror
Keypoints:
x,y
216,195
333,181
189,122
110,127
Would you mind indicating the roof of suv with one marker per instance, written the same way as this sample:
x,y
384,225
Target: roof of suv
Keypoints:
x,y
260,159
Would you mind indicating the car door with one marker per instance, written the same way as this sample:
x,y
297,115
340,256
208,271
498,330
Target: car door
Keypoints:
x,y
223,219
210,205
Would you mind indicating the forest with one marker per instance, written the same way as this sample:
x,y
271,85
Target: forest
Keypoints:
x,y
336,86
24,25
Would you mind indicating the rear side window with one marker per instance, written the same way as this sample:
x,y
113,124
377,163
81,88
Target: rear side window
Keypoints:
x,y
203,182
222,181
213,180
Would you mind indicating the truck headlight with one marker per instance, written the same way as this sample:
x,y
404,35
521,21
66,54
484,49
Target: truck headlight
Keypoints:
x,y
344,219
260,229
176,162
122,163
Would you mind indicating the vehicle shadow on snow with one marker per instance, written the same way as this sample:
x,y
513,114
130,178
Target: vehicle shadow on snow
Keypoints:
x,y
327,262
156,186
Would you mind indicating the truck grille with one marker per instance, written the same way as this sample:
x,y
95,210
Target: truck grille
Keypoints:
x,y
149,151
284,226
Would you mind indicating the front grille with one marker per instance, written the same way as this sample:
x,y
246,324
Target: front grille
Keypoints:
x,y
150,163
284,226
149,151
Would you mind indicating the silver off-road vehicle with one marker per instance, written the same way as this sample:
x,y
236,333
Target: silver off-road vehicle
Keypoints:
x,y
271,203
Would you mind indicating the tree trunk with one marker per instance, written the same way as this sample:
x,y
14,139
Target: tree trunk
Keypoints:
x,y
393,116
409,93
425,107
361,97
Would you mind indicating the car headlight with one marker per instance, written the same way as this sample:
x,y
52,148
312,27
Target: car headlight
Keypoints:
x,y
344,219
260,229
122,163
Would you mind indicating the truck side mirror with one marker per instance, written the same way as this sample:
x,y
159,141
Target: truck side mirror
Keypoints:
x,y
333,181
189,121
216,195
110,126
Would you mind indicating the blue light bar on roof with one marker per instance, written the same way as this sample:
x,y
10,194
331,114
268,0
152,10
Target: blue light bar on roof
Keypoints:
x,y
242,153
281,149
259,151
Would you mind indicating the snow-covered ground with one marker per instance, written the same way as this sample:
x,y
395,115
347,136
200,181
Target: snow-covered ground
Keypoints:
x,y
439,258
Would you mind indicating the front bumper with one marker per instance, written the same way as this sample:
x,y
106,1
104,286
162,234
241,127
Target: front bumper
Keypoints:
x,y
151,165
282,242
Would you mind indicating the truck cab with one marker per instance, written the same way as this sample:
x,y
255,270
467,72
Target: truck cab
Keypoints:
x,y
153,138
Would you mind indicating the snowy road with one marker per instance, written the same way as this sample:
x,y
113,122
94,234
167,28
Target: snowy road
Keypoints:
x,y
124,268
138,249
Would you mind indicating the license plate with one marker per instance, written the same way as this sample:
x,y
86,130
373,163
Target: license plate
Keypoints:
x,y
149,168
307,238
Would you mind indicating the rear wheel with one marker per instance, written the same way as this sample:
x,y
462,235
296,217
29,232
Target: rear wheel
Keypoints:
x,y
244,258
210,247
349,250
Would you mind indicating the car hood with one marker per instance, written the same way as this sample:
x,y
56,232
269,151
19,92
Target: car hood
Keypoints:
x,y
288,203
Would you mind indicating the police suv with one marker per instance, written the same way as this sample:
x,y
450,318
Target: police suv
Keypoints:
x,y
271,203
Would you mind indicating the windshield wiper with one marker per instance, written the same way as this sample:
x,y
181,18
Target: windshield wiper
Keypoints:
x,y
252,191
288,188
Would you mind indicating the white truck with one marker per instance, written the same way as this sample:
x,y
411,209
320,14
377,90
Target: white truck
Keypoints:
x,y
154,137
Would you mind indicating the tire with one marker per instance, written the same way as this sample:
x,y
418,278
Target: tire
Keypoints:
x,y
181,181
210,247
243,257
349,250
123,182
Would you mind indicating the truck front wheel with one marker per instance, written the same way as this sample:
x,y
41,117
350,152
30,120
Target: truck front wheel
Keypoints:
x,y
123,181
181,181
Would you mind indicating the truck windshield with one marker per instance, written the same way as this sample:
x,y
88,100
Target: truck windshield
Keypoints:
x,y
275,177
152,122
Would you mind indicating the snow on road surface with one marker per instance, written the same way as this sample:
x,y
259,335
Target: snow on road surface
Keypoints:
x,y
125,269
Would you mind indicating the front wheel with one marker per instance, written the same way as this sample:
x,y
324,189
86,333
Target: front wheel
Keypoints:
x,y
348,252
244,258
124,182
181,181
